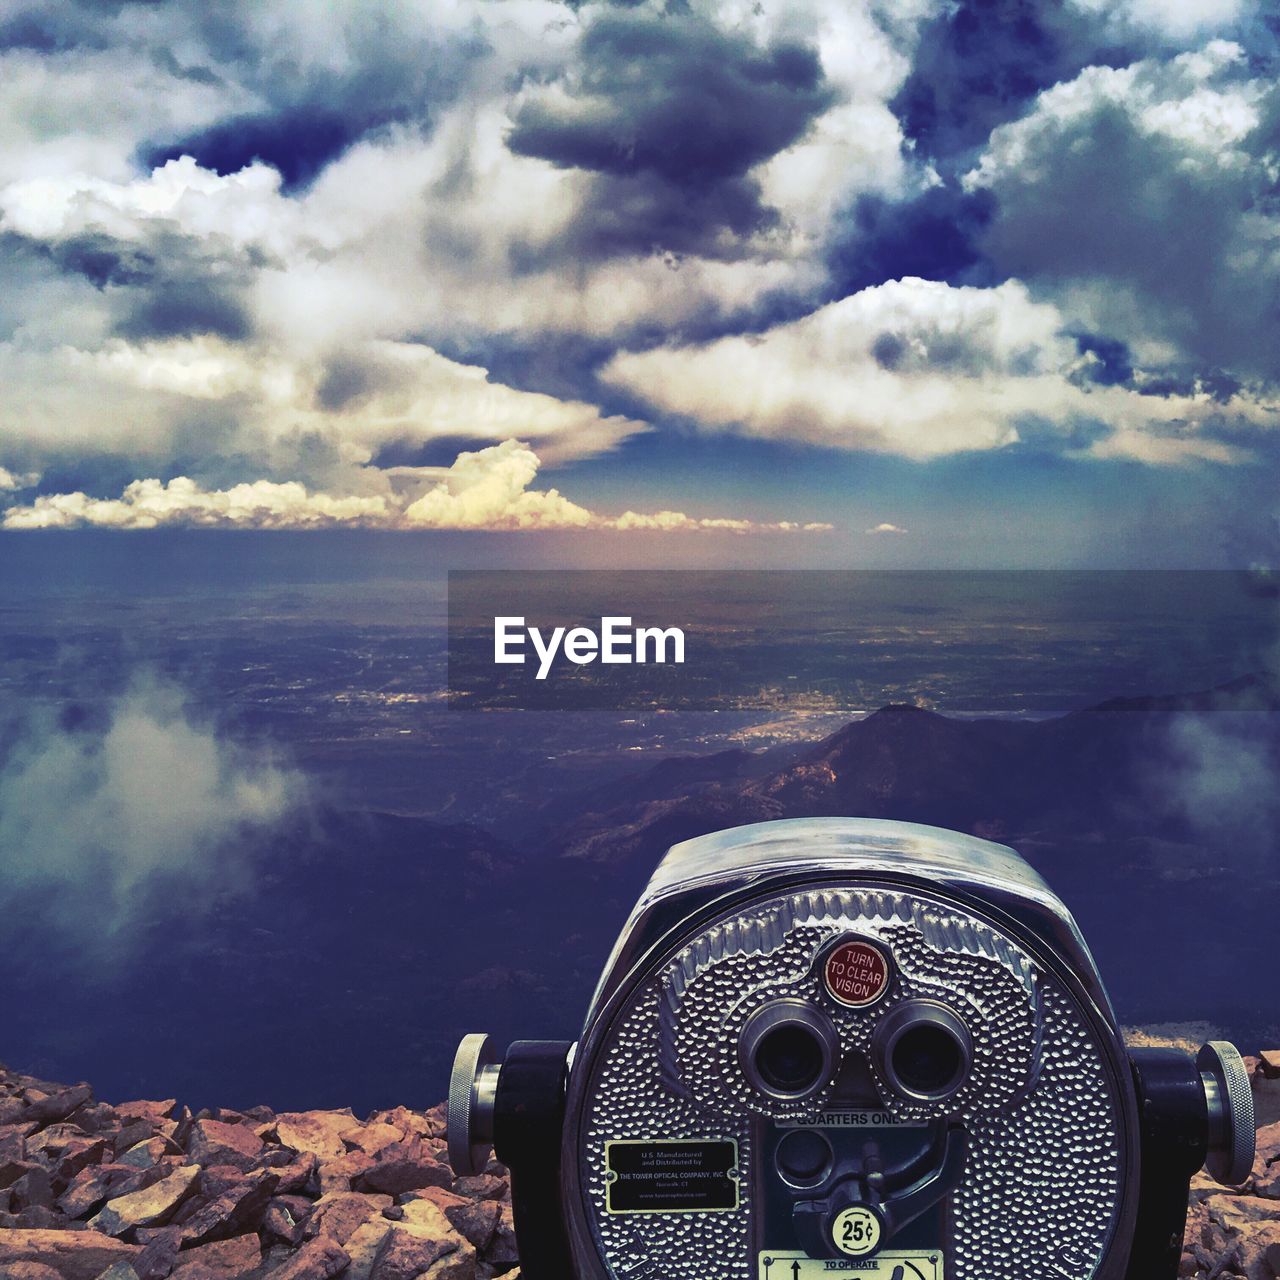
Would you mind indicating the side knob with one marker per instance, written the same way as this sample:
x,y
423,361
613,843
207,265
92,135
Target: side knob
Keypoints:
x,y
473,1088
1230,1106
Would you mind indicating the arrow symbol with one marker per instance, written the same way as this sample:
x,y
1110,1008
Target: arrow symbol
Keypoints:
x,y
795,1271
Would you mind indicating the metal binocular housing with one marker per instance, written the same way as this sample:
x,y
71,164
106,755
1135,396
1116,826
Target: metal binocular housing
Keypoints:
x,y
844,1045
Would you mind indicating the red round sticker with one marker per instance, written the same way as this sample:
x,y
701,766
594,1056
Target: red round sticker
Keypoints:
x,y
856,973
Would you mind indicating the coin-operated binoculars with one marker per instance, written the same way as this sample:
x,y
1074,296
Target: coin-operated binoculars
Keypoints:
x,y
849,1046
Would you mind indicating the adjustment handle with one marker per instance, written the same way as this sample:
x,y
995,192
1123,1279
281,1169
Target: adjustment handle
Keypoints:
x,y
1232,1138
473,1088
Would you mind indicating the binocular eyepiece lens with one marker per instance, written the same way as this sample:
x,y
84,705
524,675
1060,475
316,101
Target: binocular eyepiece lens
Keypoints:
x,y
789,1059
787,1049
923,1049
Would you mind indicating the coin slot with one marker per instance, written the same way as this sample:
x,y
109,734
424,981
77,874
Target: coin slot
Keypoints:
x,y
804,1158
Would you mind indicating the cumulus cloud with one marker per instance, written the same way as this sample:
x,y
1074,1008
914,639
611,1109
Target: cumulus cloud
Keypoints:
x,y
1164,20
291,241
885,527
148,504
482,489
1139,198
305,235
11,481
316,416
147,796
1215,771
924,369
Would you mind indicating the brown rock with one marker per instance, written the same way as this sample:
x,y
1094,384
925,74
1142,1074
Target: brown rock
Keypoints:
x,y
501,1250
371,1138
476,1220
159,1254
33,1271
1269,1063
1266,1100
1241,1229
154,1112
37,1217
1265,1178
47,1108
13,1143
119,1271
216,1142
143,1155
90,1187
79,1154
232,1257
405,1255
149,1206
482,1186
299,1206
401,1167
338,1214
32,1189
340,1174
317,1260
232,1213
95,1117
278,1223
412,1124
437,1121
219,1178
319,1132
12,1171
300,1175
51,1141
74,1255
363,1247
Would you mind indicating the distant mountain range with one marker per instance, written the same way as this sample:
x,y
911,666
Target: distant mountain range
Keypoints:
x,y
344,970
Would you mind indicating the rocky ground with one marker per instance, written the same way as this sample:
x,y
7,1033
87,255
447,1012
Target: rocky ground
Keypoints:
x,y
1236,1232
145,1190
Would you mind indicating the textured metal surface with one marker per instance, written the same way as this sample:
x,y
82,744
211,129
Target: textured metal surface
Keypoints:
x,y
1043,1184
469,1113
1232,1134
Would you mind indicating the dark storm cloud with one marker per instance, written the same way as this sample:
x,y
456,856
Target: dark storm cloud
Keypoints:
x,y
677,98
643,215
440,452
32,30
164,59
934,236
166,288
672,113
1114,363
1112,203
298,142
980,62
345,382
97,257
184,309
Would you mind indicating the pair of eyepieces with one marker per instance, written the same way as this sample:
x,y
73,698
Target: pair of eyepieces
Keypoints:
x,y
789,1050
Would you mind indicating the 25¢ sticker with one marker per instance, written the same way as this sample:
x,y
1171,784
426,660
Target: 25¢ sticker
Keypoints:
x,y
856,1231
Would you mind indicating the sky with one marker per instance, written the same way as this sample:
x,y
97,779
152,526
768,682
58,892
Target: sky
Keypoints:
x,y
694,281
